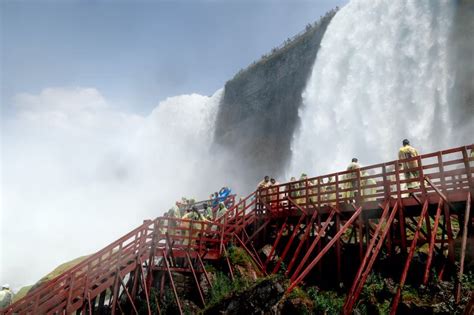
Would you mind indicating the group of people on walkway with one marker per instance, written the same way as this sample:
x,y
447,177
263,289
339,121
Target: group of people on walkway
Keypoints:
x,y
187,215
306,190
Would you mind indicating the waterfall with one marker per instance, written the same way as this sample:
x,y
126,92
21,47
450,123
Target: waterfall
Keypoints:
x,y
381,75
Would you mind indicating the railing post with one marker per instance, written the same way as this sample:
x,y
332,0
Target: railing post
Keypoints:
x,y
401,214
467,165
359,188
386,185
319,193
307,192
69,296
86,285
151,257
447,213
116,282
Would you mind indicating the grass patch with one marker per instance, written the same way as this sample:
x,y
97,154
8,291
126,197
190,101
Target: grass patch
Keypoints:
x,y
326,302
223,287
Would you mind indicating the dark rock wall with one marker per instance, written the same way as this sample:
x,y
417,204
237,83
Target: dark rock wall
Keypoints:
x,y
258,113
461,57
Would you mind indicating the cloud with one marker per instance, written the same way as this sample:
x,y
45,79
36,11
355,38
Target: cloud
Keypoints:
x,y
78,174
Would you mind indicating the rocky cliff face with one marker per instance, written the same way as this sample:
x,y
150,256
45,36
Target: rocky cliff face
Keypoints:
x,y
258,113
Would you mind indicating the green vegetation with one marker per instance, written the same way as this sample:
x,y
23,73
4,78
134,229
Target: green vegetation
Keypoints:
x,y
238,256
21,293
326,302
223,287
53,274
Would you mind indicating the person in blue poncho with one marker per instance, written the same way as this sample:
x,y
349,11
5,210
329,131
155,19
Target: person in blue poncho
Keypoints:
x,y
224,193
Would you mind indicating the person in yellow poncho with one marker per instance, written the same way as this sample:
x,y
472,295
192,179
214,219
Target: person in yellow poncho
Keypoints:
x,y
194,215
407,152
352,184
262,188
207,212
6,296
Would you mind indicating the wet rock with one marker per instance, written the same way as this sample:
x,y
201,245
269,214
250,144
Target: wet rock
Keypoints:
x,y
206,288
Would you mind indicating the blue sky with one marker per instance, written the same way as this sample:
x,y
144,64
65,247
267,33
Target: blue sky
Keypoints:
x,y
137,53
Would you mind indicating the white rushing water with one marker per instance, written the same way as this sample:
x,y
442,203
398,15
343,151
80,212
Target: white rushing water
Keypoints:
x,y
381,75
81,173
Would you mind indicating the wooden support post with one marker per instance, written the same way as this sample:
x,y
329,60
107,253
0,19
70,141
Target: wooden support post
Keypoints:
x,y
360,230
338,251
69,297
305,272
228,263
146,290
321,232
196,279
288,244
467,213
257,262
432,243
275,244
115,292
467,166
128,294
178,303
301,243
258,230
397,297
350,300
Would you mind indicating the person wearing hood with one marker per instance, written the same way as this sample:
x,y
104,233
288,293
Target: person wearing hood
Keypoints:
x,y
262,188
221,211
207,212
273,191
408,152
170,225
193,215
351,184
6,296
224,193
220,216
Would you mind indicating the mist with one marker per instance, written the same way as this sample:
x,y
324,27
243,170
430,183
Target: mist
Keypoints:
x,y
81,173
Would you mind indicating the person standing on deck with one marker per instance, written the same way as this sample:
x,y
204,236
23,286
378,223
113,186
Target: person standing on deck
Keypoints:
x,y
6,296
207,212
407,152
262,187
193,215
352,184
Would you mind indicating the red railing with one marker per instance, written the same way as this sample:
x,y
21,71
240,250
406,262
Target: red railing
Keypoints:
x,y
448,171
451,171
85,281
